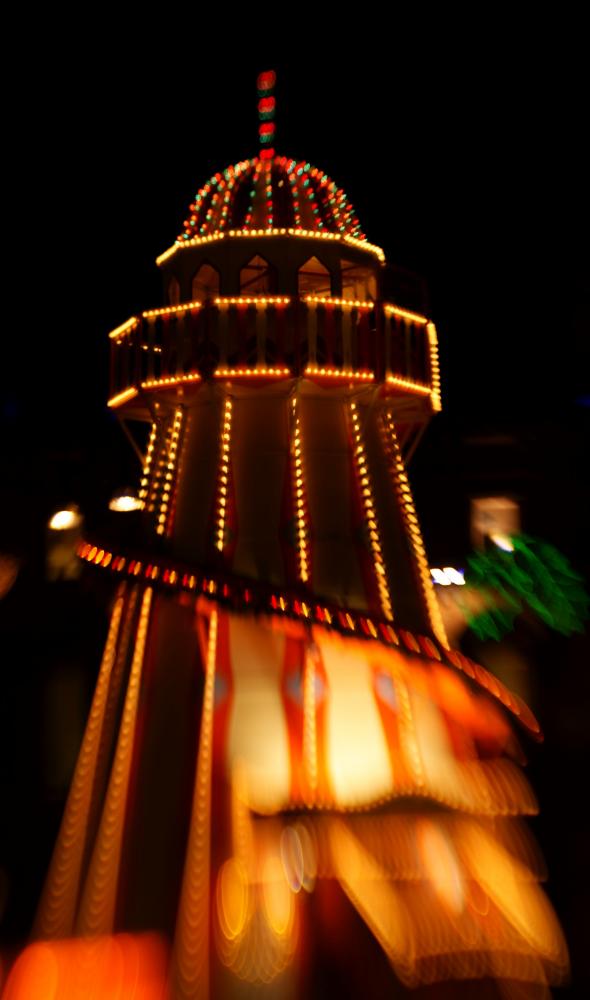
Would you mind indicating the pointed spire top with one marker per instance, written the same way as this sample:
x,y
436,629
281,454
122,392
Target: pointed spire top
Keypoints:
x,y
266,113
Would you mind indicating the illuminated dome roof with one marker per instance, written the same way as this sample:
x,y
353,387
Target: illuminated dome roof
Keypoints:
x,y
276,193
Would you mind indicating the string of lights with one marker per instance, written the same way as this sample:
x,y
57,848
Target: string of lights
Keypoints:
x,y
402,488
364,482
258,233
191,955
435,394
97,907
302,529
223,475
149,456
166,514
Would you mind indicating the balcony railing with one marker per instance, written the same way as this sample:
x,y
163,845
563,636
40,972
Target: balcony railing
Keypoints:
x,y
275,337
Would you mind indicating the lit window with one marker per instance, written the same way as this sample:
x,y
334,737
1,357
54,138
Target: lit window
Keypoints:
x,y
498,516
257,277
173,292
313,278
358,282
205,283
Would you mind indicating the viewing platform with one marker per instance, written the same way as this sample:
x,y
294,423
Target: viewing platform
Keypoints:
x,y
275,337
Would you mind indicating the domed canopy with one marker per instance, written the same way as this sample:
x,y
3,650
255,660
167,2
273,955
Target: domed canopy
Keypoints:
x,y
269,194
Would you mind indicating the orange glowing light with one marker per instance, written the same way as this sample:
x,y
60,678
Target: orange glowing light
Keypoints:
x,y
122,967
292,858
97,906
167,381
232,898
122,397
169,310
278,901
298,857
223,474
435,395
442,865
391,310
307,234
339,373
368,504
327,300
407,383
252,300
402,487
299,495
250,372
191,954
65,520
124,502
124,328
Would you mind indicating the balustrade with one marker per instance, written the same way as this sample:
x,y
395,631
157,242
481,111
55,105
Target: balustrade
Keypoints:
x,y
276,336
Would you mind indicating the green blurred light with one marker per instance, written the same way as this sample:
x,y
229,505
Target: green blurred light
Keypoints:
x,y
536,577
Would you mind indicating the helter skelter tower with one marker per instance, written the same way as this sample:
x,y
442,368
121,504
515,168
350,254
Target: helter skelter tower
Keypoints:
x,y
285,767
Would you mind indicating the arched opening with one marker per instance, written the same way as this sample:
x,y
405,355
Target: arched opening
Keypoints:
x,y
358,282
313,278
173,292
257,277
205,283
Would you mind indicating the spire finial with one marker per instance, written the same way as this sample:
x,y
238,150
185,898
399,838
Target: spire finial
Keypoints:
x,y
266,113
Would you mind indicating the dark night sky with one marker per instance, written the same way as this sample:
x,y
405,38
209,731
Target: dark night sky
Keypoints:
x,y
462,155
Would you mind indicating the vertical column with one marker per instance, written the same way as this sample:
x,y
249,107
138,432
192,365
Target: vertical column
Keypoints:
x,y
169,484
157,477
222,317
261,332
191,955
312,332
387,334
346,315
370,513
434,367
406,328
408,511
223,477
56,914
145,475
150,327
310,735
299,498
97,909
169,496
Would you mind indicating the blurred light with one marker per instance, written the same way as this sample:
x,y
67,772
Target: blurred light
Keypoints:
x,y
456,576
232,898
498,515
292,858
448,575
297,232
503,542
118,967
310,864
441,864
278,900
298,857
65,520
122,397
9,567
266,80
123,502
